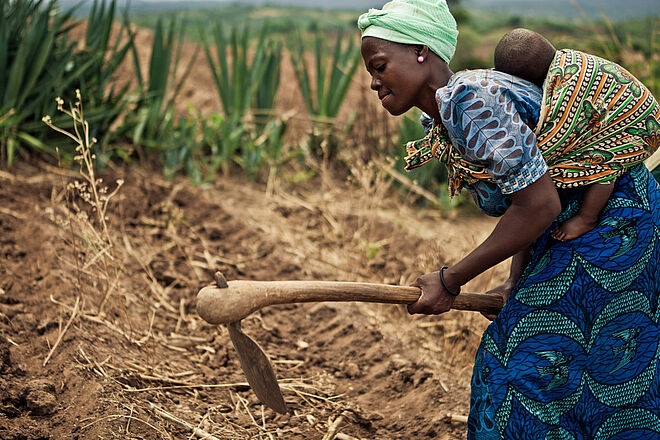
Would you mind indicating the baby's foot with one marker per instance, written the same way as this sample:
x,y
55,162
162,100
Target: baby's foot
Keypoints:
x,y
557,234
573,228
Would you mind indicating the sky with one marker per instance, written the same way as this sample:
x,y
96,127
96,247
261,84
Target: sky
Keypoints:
x,y
544,8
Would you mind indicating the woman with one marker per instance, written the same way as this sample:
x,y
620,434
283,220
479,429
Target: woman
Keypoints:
x,y
574,352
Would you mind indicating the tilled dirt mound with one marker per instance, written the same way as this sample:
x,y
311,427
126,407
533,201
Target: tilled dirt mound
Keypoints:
x,y
90,351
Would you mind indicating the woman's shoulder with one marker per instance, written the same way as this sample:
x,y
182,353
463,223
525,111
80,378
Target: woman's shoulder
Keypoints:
x,y
479,78
488,84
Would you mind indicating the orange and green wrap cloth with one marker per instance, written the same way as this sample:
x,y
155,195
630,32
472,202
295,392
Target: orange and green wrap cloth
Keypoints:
x,y
596,121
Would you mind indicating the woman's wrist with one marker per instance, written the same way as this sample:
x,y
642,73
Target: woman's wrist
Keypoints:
x,y
511,282
450,290
450,281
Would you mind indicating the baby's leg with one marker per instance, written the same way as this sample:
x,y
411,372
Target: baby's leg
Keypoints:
x,y
593,202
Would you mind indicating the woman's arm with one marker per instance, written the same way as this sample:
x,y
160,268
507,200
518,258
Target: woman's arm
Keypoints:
x,y
532,211
518,264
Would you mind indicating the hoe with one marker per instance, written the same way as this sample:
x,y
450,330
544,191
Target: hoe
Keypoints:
x,y
229,302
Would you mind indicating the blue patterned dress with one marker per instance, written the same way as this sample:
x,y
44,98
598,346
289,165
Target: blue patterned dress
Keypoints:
x,y
574,352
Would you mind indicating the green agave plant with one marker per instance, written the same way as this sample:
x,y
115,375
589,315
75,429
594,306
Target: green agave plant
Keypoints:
x,y
324,97
151,121
324,86
247,80
250,81
40,64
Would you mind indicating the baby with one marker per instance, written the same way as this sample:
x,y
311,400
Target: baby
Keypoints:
x,y
528,55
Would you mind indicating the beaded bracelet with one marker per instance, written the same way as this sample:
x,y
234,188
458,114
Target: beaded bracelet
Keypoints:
x,y
442,280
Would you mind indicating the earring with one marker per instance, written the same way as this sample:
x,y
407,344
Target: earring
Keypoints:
x,y
420,59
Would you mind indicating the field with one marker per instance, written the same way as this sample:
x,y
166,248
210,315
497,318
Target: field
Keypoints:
x,y
391,376
99,336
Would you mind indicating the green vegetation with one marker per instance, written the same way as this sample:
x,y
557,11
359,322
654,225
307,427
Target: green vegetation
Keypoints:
x,y
238,84
246,88
40,63
150,123
138,120
280,20
324,87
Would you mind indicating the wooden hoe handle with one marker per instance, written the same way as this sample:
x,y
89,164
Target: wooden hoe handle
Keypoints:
x,y
224,305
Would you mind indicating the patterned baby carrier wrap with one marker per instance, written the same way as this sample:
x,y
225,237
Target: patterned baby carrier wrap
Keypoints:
x,y
596,121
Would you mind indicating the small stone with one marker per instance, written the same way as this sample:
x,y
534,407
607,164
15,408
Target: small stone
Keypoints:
x,y
398,363
352,370
41,403
39,385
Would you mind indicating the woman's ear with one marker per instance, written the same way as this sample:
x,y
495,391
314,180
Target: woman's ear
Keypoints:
x,y
421,50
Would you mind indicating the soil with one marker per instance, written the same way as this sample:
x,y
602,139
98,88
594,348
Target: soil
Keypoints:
x,y
391,375
103,342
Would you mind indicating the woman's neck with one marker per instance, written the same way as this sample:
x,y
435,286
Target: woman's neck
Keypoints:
x,y
438,78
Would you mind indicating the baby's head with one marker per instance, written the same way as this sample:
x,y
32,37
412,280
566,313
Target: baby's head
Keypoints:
x,y
526,54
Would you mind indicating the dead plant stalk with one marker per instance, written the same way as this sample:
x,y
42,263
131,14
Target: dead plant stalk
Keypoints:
x,y
61,335
97,237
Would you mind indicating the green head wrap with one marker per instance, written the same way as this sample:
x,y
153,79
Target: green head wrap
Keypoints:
x,y
426,22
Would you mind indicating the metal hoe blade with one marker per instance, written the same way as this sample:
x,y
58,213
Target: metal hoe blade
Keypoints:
x,y
255,363
257,369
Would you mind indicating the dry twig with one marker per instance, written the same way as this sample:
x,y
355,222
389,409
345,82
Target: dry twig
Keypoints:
x,y
121,416
61,335
408,183
334,426
172,418
342,436
457,418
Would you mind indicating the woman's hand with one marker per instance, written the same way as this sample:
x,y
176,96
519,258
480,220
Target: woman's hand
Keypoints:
x,y
434,298
504,291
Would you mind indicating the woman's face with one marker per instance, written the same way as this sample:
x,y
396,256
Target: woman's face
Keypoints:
x,y
395,73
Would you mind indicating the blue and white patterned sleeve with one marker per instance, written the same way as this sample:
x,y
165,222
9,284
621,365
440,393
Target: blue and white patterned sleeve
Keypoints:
x,y
427,122
485,125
